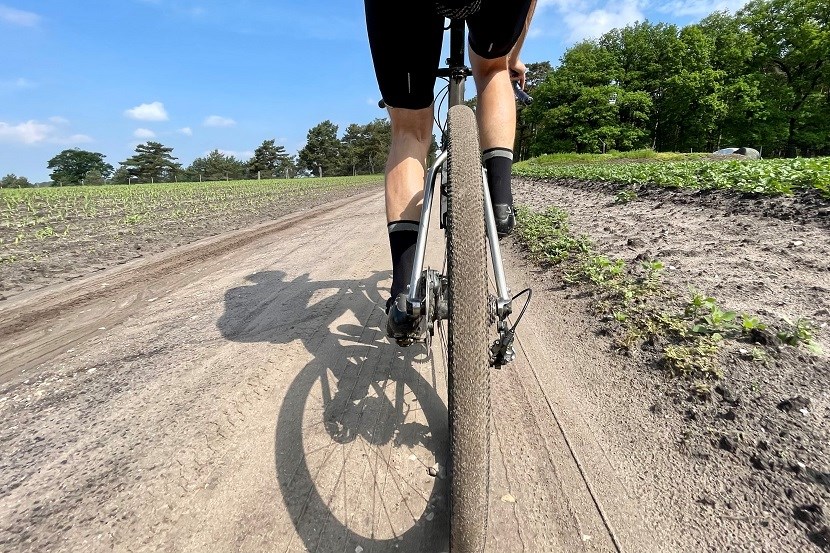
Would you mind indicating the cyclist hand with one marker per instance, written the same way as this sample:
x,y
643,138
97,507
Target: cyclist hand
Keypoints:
x,y
518,71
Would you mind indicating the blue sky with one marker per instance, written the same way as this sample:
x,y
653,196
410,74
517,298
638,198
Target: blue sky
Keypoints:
x,y
198,75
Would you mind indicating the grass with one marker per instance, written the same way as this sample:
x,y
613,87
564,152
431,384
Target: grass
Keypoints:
x,y
686,334
762,177
634,155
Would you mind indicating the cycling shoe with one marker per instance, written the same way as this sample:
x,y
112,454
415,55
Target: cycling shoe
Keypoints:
x,y
400,325
505,219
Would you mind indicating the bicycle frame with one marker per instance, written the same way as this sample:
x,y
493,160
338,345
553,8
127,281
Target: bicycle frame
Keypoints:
x,y
456,72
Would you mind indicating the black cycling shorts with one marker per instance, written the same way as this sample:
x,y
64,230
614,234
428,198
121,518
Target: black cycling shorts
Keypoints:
x,y
405,37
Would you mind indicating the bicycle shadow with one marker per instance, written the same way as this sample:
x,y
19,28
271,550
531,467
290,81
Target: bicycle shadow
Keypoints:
x,y
361,422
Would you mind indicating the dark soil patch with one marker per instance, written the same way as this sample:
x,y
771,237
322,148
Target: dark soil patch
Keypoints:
x,y
808,207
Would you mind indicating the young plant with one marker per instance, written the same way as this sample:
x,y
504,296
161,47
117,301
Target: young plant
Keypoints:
x,y
749,323
801,331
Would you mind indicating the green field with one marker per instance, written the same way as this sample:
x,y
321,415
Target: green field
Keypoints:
x,y
29,217
766,177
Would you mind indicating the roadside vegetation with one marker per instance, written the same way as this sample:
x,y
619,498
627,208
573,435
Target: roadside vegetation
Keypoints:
x,y
685,331
765,177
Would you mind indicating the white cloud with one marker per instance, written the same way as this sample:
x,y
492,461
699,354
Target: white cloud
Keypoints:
x,y
678,8
219,121
18,83
58,120
34,132
144,133
148,112
73,139
238,155
18,17
591,19
30,132
187,131
599,21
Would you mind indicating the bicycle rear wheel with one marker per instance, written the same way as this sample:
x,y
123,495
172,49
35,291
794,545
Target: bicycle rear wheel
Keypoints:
x,y
468,358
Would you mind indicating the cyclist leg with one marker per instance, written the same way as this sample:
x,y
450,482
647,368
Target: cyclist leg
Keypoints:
x,y
405,39
494,31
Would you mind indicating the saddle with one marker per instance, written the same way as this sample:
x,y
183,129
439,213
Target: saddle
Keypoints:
x,y
457,9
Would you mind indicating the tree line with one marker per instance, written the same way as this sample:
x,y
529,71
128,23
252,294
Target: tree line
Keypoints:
x,y
361,150
759,78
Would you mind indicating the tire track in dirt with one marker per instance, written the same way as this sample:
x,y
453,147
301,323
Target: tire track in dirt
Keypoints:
x,y
27,329
256,405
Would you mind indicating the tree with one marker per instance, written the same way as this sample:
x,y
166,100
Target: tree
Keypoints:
x,y
13,181
216,166
153,162
269,160
70,167
364,148
121,175
93,178
525,129
793,55
321,154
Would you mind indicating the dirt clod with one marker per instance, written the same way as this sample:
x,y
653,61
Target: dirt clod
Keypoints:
x,y
707,500
794,404
810,513
821,537
728,443
761,462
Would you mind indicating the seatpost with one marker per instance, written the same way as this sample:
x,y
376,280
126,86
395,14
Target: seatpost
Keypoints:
x,y
458,71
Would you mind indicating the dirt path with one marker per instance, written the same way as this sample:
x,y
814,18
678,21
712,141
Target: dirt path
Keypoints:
x,y
238,394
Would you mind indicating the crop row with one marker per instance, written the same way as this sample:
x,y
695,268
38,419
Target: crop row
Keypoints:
x,y
30,216
766,177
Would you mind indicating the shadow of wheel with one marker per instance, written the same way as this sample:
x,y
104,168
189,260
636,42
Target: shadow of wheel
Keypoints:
x,y
317,515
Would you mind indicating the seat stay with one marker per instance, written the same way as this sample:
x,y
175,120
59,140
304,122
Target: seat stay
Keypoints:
x,y
413,302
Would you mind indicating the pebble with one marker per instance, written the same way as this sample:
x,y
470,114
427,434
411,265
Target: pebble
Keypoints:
x,y
507,498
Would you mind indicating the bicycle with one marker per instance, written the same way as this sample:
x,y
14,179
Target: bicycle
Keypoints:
x,y
459,296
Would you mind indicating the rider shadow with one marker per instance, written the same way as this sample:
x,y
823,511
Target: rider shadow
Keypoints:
x,y
351,417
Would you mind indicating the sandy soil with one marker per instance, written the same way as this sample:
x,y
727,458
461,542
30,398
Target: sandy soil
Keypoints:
x,y
758,454
238,394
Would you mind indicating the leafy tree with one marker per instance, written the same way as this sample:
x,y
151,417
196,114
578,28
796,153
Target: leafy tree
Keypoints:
x,y
121,175
153,162
70,167
746,116
322,150
216,166
793,55
13,181
270,160
525,128
93,178
364,148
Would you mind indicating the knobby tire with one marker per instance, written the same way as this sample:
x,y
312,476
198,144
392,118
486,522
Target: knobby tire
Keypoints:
x,y
467,348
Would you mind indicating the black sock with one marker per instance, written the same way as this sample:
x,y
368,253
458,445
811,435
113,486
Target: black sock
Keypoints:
x,y
499,163
402,238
